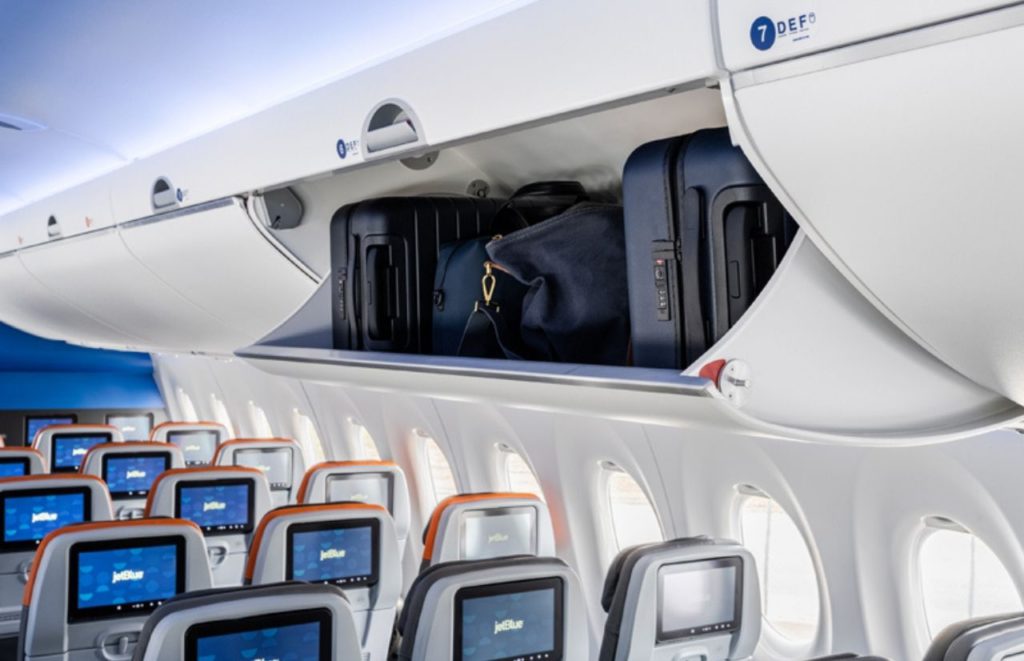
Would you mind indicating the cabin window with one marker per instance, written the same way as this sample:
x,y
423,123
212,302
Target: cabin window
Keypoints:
x,y
442,479
961,577
365,445
220,413
308,437
260,424
633,518
519,477
187,410
790,600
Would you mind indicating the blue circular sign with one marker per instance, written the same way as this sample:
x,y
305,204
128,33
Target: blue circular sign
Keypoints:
x,y
762,33
342,149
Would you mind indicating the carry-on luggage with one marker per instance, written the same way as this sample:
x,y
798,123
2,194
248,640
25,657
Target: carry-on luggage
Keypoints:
x,y
383,258
703,236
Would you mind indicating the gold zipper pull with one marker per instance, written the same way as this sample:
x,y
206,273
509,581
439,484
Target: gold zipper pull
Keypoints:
x,y
488,282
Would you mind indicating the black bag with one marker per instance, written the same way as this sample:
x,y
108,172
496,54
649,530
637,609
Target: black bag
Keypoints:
x,y
477,307
577,309
383,260
703,234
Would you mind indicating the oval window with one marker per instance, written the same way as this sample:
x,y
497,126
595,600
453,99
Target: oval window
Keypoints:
x,y
634,520
961,578
790,599
519,477
308,437
442,479
187,408
365,445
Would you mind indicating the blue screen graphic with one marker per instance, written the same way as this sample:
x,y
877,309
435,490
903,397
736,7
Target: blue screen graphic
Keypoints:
x,y
10,468
69,451
295,642
30,518
340,555
508,626
126,577
35,424
132,475
223,507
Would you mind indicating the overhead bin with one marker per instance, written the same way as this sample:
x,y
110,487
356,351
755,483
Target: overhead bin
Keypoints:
x,y
205,279
902,164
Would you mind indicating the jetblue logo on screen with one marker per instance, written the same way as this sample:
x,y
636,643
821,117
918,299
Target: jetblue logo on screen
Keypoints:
x,y
359,497
764,31
497,538
265,469
508,625
44,517
78,452
135,474
333,554
127,575
263,658
192,448
214,506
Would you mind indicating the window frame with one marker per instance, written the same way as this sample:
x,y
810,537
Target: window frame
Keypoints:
x,y
608,469
423,440
506,453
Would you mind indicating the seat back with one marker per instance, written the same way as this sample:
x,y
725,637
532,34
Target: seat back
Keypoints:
x,y
363,481
993,638
30,508
93,585
279,458
351,545
479,526
64,446
198,441
226,502
687,598
520,607
261,622
17,462
129,469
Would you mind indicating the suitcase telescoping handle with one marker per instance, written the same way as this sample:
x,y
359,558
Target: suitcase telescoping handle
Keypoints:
x,y
379,284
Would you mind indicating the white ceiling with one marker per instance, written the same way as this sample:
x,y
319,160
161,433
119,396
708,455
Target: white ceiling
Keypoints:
x,y
115,81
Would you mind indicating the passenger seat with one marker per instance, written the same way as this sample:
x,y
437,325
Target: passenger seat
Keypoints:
x,y
993,638
93,585
265,622
33,506
365,481
129,469
280,459
198,441
480,526
522,607
226,502
18,462
351,545
64,446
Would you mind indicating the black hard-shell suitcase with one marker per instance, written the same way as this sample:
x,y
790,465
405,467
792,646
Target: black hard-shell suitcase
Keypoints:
x,y
383,258
703,236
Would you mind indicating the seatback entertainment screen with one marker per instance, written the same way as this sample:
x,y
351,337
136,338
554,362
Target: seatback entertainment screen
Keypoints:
x,y
292,636
26,516
133,427
496,533
699,598
35,423
124,577
276,464
218,507
371,488
70,449
132,475
13,466
508,621
344,553
197,445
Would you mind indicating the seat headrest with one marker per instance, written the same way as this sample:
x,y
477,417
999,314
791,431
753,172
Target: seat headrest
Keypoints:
x,y
16,462
697,594
130,469
64,446
106,577
281,459
265,621
220,499
518,606
368,481
488,525
991,638
198,441
362,554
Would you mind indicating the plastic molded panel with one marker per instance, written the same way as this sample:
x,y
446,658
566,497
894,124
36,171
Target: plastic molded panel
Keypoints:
x,y
223,265
905,170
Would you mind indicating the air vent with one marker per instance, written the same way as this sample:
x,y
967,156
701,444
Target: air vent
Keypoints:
x,y
13,123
